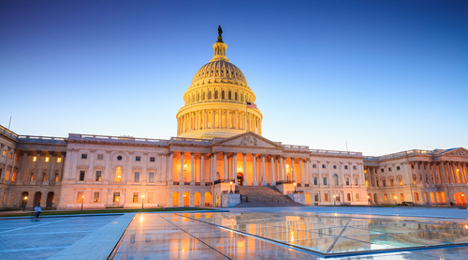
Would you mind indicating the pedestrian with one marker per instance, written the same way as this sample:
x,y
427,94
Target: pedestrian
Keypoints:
x,y
38,209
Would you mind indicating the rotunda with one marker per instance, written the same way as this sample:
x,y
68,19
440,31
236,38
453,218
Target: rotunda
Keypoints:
x,y
216,101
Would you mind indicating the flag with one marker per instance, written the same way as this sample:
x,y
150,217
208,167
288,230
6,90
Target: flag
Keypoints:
x,y
251,105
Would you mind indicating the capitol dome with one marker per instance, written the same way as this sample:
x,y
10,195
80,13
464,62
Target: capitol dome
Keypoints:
x,y
216,101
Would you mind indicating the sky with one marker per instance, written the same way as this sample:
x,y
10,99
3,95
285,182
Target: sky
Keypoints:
x,y
381,76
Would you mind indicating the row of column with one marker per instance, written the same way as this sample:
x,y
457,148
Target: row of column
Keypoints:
x,y
213,119
444,172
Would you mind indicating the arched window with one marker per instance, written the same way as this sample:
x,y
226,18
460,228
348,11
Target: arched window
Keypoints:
x,y
204,96
197,198
315,180
186,199
198,97
325,181
208,199
209,95
229,95
307,198
235,96
118,174
347,181
242,98
175,199
222,94
335,178
216,94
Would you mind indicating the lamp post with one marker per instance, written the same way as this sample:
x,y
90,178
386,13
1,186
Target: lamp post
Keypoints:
x,y
295,188
230,184
334,200
143,201
368,199
25,201
394,198
82,199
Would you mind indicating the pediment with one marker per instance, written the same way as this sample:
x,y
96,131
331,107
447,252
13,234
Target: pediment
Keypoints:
x,y
457,152
248,139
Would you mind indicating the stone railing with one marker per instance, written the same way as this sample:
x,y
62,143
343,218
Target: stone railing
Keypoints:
x,y
40,139
295,147
332,152
117,139
7,132
399,155
183,140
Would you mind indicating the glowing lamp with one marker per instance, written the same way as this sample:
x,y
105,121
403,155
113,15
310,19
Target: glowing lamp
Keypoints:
x,y
25,198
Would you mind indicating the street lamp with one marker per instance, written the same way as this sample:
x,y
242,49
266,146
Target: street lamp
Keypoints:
x,y
230,184
143,201
394,198
25,201
295,188
334,200
82,199
368,199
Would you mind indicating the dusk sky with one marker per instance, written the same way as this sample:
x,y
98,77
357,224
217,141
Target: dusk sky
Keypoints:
x,y
385,76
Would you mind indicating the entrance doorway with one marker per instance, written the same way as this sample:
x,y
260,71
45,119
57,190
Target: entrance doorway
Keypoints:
x,y
240,178
460,199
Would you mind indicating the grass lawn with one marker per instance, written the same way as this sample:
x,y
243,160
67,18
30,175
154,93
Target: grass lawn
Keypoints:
x,y
99,211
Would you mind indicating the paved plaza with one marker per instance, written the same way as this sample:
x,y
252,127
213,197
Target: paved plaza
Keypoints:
x,y
252,233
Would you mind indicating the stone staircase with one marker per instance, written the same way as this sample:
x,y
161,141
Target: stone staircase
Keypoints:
x,y
264,196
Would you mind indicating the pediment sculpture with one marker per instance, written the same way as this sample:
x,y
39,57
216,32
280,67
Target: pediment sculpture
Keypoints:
x,y
248,141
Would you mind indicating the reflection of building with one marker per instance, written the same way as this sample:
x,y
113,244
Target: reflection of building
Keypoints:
x,y
437,177
219,140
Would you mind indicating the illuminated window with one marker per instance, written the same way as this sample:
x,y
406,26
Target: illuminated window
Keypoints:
x,y
118,174
402,196
56,177
384,183
79,197
135,197
82,175
3,197
4,152
96,197
84,156
34,158
367,183
11,155
391,182
326,197
116,197
59,160
100,156
400,182
44,175
385,197
357,196
47,159
98,175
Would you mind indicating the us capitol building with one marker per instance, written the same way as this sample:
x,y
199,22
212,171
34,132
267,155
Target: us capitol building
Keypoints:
x,y
219,152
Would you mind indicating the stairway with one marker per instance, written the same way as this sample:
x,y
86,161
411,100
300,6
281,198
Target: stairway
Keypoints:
x,y
264,196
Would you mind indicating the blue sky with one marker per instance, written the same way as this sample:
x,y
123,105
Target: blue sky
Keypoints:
x,y
384,76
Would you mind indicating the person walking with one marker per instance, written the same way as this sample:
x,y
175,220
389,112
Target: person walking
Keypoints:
x,y
38,209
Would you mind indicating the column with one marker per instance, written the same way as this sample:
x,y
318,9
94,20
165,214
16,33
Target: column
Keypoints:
x,y
202,173
302,176
244,155
442,172
449,172
220,119
49,167
215,166
181,175
465,172
171,158
36,166
23,165
235,121
235,168
328,174
192,166
293,177
308,173
263,171
254,170
282,168
272,162
225,165
212,118
62,156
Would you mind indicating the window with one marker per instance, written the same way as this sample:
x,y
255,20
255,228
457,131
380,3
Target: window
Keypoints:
x,y
326,197
334,166
119,158
316,197
335,178
116,197
367,183
151,177
398,168
389,169
357,196
346,167
4,152
98,175
152,159
349,196
3,197
44,176
384,183
34,158
377,183
314,166
137,176
135,197
400,182
100,156
385,197
355,181
137,158
315,180
391,182
150,197
118,174
323,166
402,196
412,166
46,159
59,160
354,168
347,181
56,177
84,156
325,181
79,197
82,173
96,197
